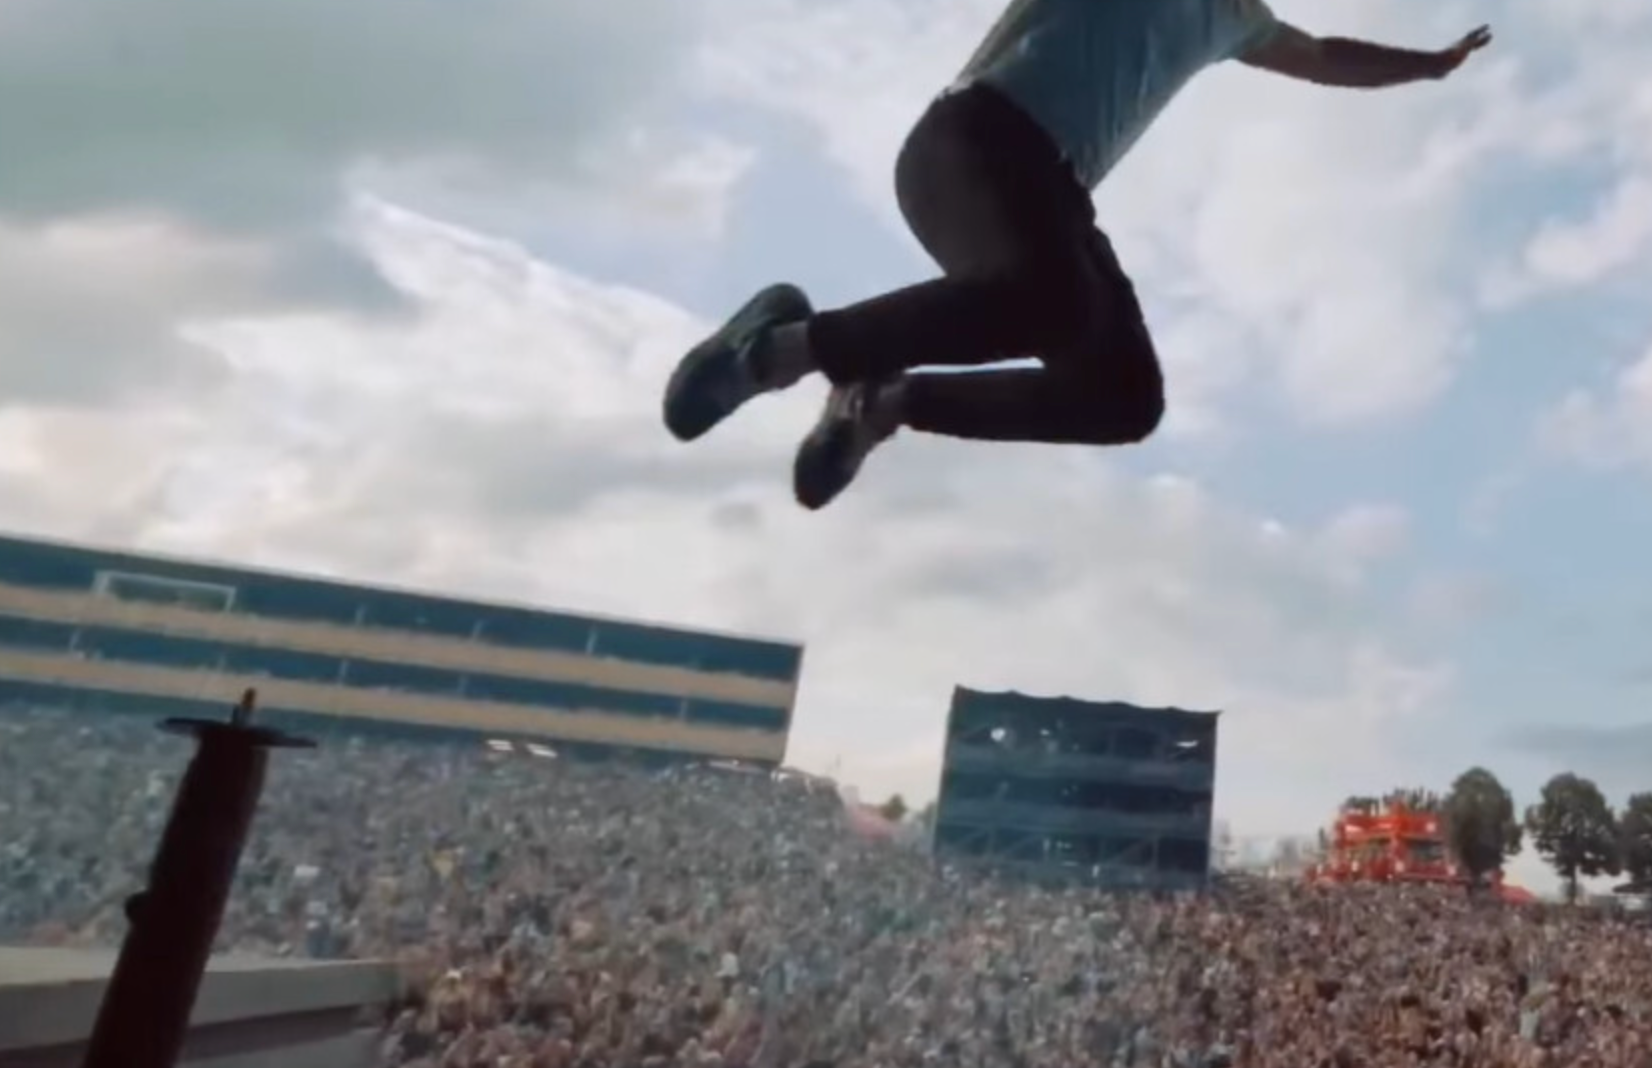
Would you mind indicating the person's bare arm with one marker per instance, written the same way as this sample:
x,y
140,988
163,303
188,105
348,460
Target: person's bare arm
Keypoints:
x,y
1344,62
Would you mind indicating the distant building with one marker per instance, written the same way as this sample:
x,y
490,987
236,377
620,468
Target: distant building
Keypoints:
x,y
120,632
1102,792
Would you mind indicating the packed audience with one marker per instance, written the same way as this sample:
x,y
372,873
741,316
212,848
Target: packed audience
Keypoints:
x,y
558,915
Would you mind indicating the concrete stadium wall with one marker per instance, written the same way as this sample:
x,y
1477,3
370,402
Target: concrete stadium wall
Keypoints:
x,y
251,1012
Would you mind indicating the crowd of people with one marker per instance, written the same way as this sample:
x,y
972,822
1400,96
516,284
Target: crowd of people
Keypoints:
x,y
559,915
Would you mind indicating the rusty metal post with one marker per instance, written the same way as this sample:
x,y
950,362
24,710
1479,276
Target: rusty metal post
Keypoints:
x,y
173,921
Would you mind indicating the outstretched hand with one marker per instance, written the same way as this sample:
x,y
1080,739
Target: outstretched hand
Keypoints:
x,y
1453,57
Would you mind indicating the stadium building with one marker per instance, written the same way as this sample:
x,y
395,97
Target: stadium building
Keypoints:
x,y
1103,791
92,629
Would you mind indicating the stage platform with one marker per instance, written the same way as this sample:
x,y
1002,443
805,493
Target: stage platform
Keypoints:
x,y
252,1012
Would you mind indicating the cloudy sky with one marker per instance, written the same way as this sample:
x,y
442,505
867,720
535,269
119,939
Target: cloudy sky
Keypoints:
x,y
389,290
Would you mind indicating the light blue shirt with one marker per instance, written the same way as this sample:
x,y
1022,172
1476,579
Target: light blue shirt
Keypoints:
x,y
1096,73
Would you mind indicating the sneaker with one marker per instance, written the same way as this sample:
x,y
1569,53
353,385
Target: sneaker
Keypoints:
x,y
717,376
848,430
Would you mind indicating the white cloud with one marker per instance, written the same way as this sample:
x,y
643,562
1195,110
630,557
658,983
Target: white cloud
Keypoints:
x,y
1452,600
1330,246
1605,427
1309,236
1365,534
90,306
1320,229
1585,109
505,443
188,161
251,117
176,242
1617,234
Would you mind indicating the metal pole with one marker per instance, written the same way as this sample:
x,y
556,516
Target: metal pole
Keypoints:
x,y
174,920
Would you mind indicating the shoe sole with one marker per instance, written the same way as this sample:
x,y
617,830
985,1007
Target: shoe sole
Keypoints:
x,y
687,410
816,479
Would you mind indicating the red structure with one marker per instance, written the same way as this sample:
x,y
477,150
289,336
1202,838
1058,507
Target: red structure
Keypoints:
x,y
1386,842
1391,842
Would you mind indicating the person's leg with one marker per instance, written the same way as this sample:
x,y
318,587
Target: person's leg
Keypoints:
x,y
1110,394
985,191
1106,390
1100,383
989,197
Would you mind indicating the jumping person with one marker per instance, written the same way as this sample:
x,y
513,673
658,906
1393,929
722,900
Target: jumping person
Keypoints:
x,y
995,182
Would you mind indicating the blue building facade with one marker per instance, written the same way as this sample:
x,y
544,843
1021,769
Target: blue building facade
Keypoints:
x,y
1103,792
88,628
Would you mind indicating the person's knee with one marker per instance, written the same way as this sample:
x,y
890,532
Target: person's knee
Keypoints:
x,y
1117,410
1139,416
1136,396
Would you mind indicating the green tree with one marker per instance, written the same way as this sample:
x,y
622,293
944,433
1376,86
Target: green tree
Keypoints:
x,y
1573,828
894,809
1415,798
1481,824
1635,839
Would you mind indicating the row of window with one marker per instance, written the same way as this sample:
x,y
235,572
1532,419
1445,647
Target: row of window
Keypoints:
x,y
323,728
1066,725
993,761
42,566
1143,798
1120,744
200,654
